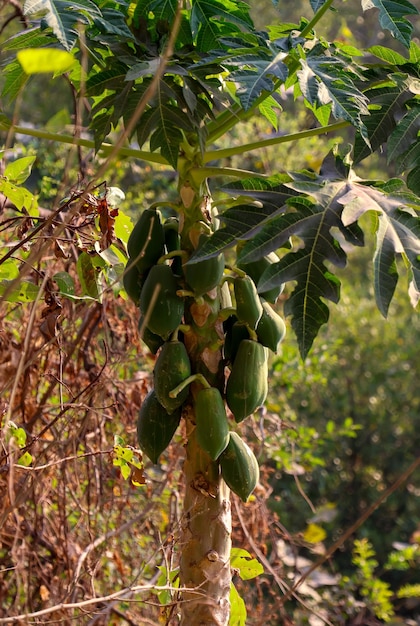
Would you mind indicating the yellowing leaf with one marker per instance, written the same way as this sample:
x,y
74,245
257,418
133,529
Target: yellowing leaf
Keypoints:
x,y
314,533
45,60
44,593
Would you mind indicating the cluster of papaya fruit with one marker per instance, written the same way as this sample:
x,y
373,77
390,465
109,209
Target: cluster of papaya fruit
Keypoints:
x,y
157,279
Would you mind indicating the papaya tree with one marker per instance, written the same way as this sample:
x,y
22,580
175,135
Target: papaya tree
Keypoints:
x,y
168,82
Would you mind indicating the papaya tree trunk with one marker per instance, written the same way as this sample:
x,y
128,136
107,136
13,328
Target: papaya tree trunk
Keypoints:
x,y
206,530
206,542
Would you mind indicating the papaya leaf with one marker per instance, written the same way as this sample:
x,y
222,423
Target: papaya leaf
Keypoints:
x,y
14,80
413,180
168,121
63,16
404,134
388,55
410,158
398,233
204,11
32,38
326,211
256,79
326,80
392,17
269,109
386,104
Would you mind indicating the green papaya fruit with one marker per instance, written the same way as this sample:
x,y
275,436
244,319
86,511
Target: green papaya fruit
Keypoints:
x,y
247,384
204,276
172,367
155,427
239,467
212,428
159,302
234,335
255,270
133,281
146,242
152,341
248,305
271,328
173,243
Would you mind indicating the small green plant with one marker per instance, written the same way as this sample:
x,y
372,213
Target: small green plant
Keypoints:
x,y
376,593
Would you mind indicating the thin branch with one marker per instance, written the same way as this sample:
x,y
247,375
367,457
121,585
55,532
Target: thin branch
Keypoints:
x,y
121,594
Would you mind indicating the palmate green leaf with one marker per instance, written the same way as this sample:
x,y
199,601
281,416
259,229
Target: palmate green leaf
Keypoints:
x,y
211,32
163,124
62,16
413,180
392,17
325,80
269,108
404,134
315,218
398,233
256,79
388,55
386,104
230,11
111,78
32,38
112,23
14,80
410,158
326,209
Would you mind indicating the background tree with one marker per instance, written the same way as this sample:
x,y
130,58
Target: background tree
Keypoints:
x,y
180,79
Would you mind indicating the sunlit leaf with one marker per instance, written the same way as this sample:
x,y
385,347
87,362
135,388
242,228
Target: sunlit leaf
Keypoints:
x,y
246,566
25,460
238,612
63,16
45,60
314,533
18,171
392,17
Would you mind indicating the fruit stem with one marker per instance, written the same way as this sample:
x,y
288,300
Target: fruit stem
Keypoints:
x,y
194,377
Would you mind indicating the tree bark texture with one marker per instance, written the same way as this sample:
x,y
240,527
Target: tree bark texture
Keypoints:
x,y
206,541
